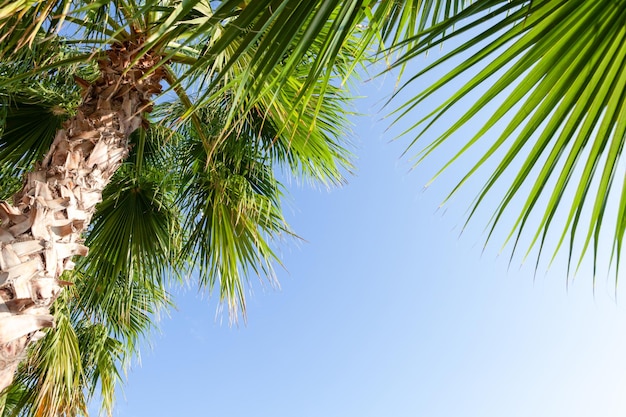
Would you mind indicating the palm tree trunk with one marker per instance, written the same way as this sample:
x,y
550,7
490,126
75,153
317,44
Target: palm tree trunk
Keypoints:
x,y
41,231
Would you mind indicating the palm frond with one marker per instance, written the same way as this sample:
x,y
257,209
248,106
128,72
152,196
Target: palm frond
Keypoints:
x,y
34,103
134,240
23,21
47,385
231,209
26,135
555,70
102,359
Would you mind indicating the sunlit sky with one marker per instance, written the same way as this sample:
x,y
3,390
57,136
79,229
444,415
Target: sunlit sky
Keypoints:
x,y
386,309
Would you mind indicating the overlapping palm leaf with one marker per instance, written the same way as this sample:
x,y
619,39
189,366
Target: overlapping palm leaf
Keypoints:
x,y
555,70
232,208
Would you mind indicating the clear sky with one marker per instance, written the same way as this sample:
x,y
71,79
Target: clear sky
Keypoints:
x,y
385,311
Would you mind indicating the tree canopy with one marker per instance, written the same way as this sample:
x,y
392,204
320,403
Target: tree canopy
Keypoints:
x,y
258,90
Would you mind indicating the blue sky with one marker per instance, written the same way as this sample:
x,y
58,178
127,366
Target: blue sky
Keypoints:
x,y
386,311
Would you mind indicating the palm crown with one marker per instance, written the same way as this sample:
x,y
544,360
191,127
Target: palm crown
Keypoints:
x,y
256,87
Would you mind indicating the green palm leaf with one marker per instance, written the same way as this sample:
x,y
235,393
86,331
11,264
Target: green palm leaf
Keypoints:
x,y
556,68
232,208
46,386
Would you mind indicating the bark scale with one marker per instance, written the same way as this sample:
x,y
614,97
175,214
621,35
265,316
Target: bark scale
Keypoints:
x,y
41,231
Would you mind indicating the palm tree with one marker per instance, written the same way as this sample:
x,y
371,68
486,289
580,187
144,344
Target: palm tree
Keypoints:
x,y
258,85
183,176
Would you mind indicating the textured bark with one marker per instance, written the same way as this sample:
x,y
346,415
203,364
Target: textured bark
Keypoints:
x,y
41,231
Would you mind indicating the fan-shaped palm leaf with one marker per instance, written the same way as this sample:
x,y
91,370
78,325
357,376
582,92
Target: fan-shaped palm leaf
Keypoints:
x,y
556,70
